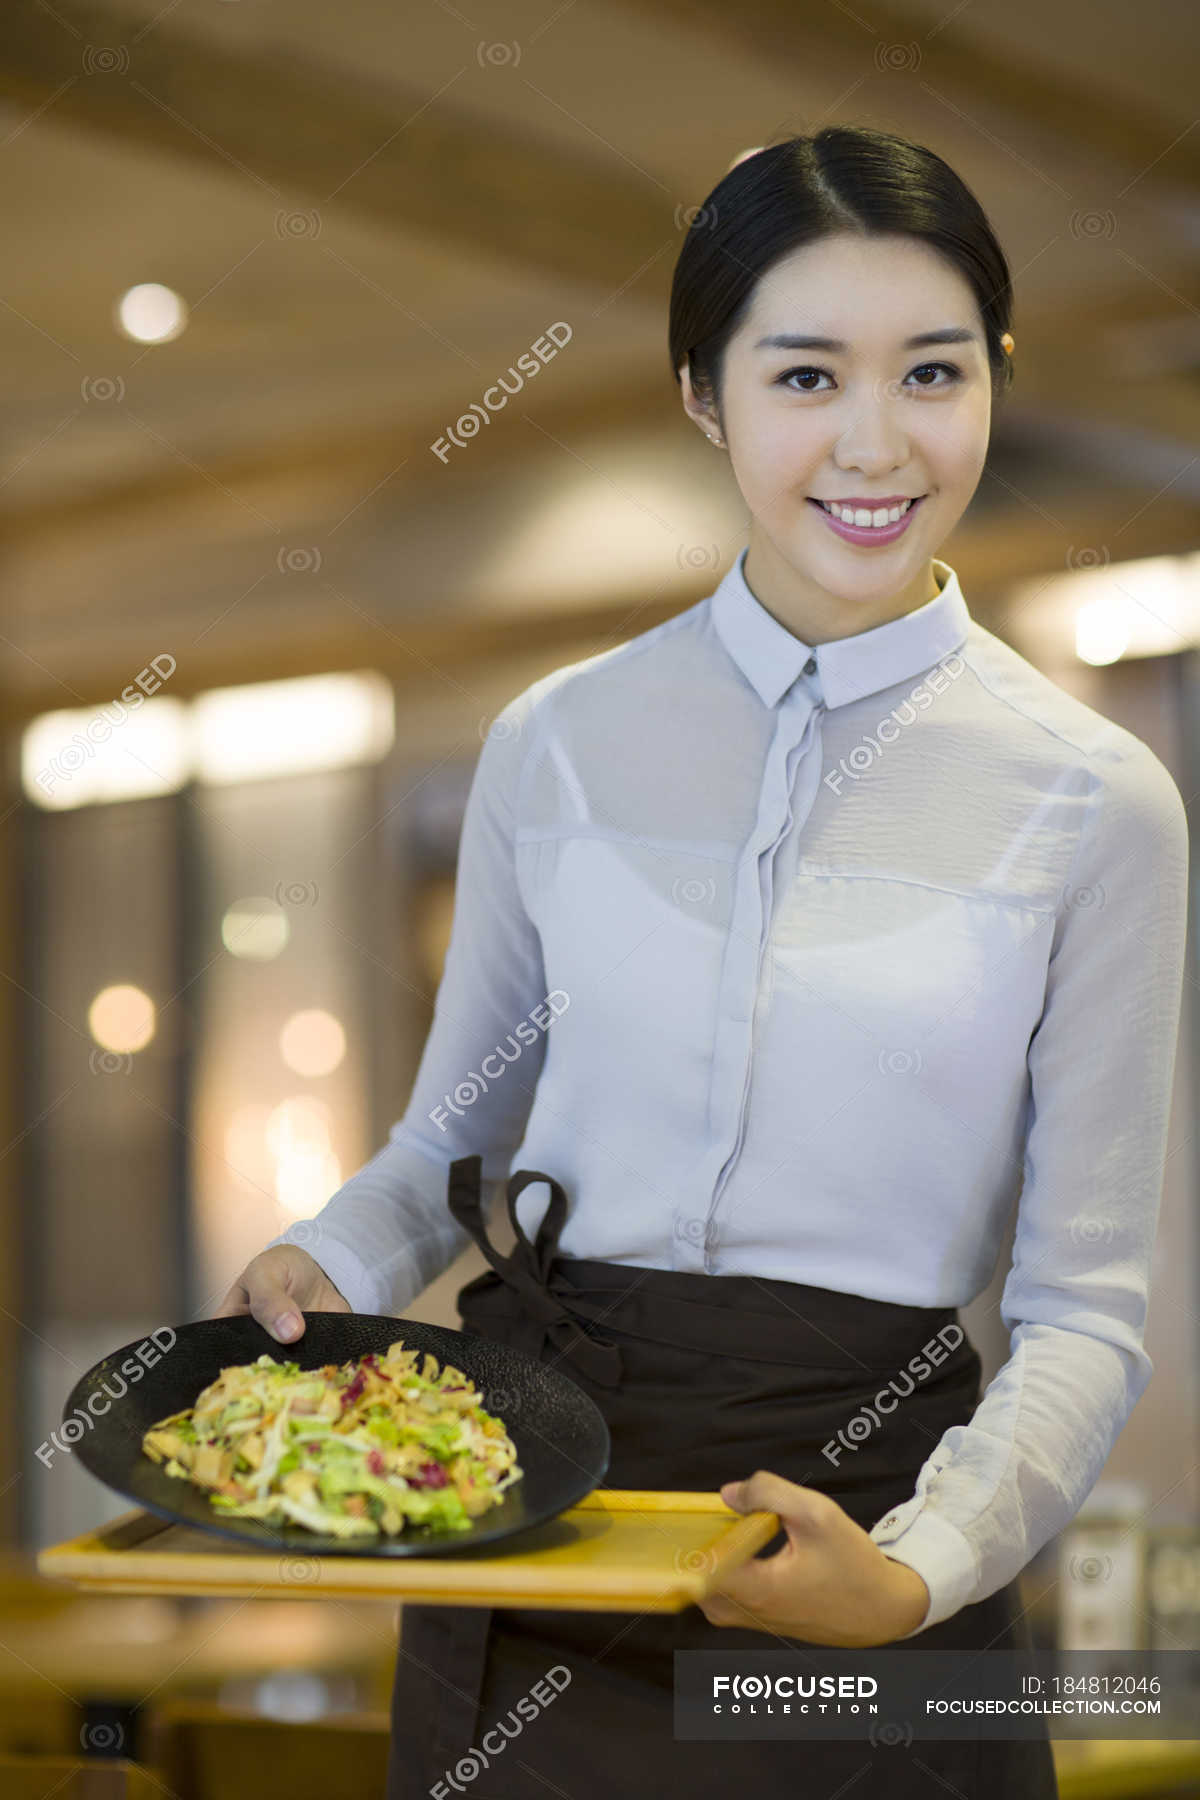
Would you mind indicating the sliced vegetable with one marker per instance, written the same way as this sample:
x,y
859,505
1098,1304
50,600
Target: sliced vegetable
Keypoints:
x,y
353,1449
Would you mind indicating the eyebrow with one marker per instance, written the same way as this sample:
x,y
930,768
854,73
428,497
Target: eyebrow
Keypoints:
x,y
949,334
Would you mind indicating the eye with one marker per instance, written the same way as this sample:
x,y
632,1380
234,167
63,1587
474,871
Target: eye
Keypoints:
x,y
951,370
781,380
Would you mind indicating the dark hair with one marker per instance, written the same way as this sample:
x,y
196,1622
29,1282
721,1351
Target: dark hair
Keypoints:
x,y
846,178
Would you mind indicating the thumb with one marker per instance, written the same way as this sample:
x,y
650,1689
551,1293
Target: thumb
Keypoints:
x,y
765,1492
279,1315
274,1306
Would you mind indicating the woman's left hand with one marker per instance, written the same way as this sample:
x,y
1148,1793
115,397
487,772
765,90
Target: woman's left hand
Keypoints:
x,y
829,1584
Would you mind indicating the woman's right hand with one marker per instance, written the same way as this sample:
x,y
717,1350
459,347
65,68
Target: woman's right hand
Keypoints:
x,y
277,1287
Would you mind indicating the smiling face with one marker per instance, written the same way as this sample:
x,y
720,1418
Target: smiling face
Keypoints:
x,y
866,422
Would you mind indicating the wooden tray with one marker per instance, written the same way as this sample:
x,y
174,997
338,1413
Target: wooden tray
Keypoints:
x,y
618,1550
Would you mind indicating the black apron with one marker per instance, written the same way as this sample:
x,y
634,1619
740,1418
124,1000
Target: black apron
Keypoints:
x,y
702,1379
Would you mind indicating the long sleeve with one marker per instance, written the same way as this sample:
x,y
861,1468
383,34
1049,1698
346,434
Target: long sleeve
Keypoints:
x,y
387,1232
1101,1063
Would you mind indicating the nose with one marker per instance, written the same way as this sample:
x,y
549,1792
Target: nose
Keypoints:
x,y
875,440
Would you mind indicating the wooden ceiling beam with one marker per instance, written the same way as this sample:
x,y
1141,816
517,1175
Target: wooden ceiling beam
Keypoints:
x,y
303,133
306,137
388,154
953,76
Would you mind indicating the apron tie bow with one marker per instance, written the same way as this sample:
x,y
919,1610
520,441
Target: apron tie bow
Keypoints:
x,y
529,1268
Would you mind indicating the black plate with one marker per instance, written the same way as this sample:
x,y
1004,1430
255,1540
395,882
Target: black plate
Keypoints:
x,y
560,1434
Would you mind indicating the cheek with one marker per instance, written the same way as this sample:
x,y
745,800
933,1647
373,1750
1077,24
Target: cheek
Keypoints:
x,y
776,457
773,489
955,447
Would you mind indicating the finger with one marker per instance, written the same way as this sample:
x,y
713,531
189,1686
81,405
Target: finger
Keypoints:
x,y
273,1307
277,1315
718,1611
765,1492
749,1587
737,1605
236,1301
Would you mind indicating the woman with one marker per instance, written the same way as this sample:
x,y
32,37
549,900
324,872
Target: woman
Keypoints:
x,y
842,929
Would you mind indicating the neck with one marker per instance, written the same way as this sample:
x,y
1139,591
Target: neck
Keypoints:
x,y
814,614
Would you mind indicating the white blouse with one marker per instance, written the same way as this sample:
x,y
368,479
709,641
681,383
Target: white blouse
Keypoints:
x,y
808,963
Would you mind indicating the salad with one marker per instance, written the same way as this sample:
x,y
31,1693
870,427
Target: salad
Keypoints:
x,y
357,1448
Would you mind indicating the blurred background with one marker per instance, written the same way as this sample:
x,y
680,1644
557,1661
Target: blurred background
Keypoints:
x,y
270,568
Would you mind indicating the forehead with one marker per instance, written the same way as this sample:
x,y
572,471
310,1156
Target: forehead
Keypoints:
x,y
865,290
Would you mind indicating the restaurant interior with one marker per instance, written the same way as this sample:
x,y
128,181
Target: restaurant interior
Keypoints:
x,y
266,260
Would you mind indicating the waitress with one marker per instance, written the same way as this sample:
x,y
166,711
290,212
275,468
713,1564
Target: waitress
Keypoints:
x,y
833,930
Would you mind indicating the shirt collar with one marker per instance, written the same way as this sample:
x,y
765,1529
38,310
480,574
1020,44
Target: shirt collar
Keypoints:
x,y
771,657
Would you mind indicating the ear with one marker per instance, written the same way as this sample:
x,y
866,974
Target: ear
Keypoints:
x,y
703,415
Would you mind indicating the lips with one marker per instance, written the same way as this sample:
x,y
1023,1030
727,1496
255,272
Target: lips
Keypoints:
x,y
869,536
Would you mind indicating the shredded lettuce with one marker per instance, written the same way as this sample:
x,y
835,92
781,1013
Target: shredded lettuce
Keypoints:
x,y
360,1448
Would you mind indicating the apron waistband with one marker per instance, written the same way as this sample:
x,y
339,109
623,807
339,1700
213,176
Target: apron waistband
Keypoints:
x,y
753,1318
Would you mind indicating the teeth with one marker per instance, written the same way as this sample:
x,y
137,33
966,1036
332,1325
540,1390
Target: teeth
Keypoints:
x,y
861,515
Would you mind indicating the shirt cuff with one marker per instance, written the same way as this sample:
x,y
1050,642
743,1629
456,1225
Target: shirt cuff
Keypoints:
x,y
939,1553
362,1287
